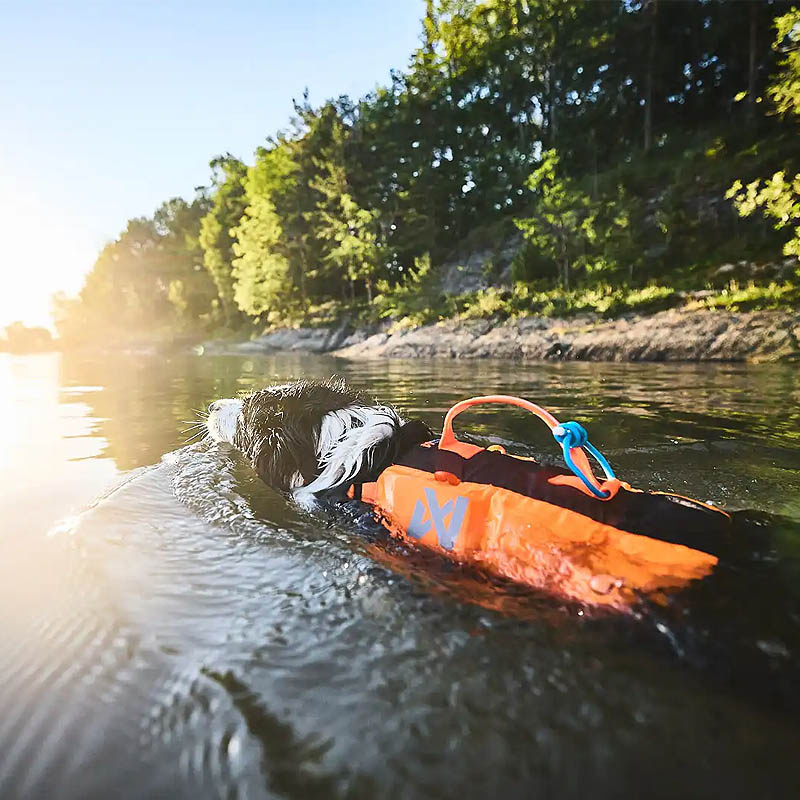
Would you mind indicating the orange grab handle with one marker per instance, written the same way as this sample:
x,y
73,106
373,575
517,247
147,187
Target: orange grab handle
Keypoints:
x,y
449,441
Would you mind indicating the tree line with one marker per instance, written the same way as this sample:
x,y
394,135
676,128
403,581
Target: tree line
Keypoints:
x,y
604,133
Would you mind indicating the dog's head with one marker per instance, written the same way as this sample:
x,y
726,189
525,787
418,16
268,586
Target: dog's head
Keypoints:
x,y
313,436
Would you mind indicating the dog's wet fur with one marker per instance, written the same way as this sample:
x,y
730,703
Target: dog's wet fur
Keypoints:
x,y
314,437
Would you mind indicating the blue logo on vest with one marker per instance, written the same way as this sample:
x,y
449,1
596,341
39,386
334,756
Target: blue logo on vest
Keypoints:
x,y
432,514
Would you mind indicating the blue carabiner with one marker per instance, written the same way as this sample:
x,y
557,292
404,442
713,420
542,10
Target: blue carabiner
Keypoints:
x,y
573,434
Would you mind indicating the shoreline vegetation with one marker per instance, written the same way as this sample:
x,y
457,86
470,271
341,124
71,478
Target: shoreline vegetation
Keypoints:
x,y
622,177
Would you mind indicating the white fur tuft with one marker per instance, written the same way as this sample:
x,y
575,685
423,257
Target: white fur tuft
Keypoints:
x,y
346,441
223,418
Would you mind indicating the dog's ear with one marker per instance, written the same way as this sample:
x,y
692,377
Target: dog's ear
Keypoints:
x,y
279,438
286,457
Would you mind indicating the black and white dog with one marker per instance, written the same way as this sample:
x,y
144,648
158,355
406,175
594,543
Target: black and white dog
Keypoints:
x,y
313,437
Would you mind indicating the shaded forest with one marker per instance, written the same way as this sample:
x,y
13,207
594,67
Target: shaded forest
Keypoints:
x,y
616,147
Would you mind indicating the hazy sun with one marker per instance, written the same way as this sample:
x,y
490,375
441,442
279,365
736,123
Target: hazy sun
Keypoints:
x,y
42,250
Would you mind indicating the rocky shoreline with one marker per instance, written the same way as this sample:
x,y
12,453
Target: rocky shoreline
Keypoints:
x,y
674,335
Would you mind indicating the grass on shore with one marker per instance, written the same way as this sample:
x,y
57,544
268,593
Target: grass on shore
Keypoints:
x,y
525,299
413,309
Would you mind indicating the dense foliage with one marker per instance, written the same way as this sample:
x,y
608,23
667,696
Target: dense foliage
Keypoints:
x,y
606,132
779,196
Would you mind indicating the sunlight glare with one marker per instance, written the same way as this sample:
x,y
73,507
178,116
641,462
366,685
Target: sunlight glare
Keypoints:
x,y
42,251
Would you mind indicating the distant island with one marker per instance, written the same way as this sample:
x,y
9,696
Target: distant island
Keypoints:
x,y
19,338
553,158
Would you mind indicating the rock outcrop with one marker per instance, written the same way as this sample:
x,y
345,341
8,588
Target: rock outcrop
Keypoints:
x,y
675,335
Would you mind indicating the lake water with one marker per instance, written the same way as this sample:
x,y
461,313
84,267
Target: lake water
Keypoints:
x,y
169,627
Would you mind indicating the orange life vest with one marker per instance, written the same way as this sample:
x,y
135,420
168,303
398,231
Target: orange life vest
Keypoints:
x,y
602,543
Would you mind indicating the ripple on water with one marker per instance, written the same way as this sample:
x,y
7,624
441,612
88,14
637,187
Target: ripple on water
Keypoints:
x,y
238,646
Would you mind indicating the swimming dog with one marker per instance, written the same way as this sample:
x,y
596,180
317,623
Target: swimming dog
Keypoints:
x,y
313,437
562,530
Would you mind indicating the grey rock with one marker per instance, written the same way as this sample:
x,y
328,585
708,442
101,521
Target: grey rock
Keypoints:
x,y
480,269
674,335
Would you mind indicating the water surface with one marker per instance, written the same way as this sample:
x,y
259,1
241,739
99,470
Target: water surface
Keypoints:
x,y
172,628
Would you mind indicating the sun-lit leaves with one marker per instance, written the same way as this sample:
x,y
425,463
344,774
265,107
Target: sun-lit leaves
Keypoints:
x,y
228,202
785,91
261,267
779,196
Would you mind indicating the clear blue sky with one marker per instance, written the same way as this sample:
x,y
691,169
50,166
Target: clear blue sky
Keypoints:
x,y
108,108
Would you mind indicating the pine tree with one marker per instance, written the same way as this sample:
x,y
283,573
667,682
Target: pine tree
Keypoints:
x,y
228,202
350,231
562,223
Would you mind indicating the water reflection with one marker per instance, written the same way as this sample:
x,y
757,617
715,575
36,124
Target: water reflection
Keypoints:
x,y
728,433
189,634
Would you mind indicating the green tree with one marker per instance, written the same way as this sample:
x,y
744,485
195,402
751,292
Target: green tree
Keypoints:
x,y
228,202
350,231
561,226
150,277
262,274
307,142
190,290
779,196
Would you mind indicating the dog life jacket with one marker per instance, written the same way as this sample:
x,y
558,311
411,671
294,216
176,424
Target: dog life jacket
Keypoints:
x,y
563,531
